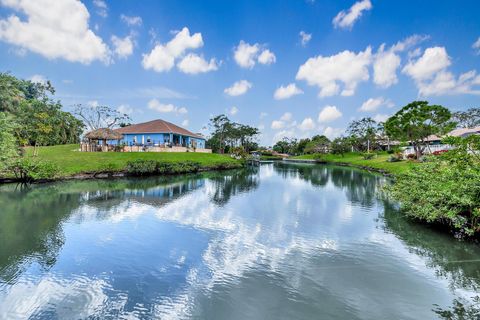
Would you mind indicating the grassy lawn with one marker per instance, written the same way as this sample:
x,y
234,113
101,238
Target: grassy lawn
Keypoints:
x,y
70,161
379,162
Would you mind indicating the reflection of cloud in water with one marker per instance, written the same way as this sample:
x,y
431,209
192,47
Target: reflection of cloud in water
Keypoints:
x,y
304,239
54,297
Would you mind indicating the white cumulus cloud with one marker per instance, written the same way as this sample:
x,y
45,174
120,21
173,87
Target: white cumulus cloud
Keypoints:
x,y
385,68
193,64
125,108
332,133
53,29
476,46
329,114
156,105
38,78
287,116
287,92
277,124
347,67
162,58
267,57
432,61
387,61
431,75
233,111
305,38
131,20
102,8
246,55
286,120
347,18
238,88
123,47
307,124
381,117
373,104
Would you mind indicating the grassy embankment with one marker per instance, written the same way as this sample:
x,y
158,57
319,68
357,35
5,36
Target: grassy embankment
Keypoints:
x,y
379,162
71,162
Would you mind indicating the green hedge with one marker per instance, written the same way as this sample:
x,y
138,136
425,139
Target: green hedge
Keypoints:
x,y
147,167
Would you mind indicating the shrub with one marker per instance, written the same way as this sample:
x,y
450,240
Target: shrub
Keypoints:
x,y
29,169
443,192
147,167
393,158
368,155
391,151
411,156
141,167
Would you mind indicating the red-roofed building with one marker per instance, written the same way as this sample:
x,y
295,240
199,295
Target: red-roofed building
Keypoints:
x,y
158,133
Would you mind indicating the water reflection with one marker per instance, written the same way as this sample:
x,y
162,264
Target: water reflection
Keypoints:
x,y
280,241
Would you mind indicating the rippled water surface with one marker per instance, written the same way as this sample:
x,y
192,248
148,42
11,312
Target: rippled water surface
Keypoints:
x,y
275,242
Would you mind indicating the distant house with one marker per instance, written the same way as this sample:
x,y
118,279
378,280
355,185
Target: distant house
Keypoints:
x,y
156,136
159,133
434,143
462,132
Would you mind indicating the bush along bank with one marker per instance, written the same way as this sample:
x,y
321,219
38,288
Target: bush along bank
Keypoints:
x,y
31,169
445,190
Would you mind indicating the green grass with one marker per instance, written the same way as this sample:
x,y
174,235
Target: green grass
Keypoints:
x,y
356,159
71,161
266,158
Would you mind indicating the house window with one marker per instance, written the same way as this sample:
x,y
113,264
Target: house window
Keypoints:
x,y
149,140
134,139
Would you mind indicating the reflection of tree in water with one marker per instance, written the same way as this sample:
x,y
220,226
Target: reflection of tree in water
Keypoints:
x,y
453,260
317,175
153,191
231,183
360,187
461,309
30,226
31,217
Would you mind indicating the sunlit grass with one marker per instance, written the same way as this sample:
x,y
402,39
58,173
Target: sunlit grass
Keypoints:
x,y
71,161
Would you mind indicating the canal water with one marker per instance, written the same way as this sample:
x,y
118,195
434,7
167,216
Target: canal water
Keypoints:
x,y
282,241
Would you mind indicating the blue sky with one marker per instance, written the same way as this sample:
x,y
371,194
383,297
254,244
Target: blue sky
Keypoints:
x,y
180,60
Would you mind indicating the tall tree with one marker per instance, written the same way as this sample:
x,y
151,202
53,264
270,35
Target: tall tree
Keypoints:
x,y
286,145
318,144
220,125
226,133
363,133
467,119
96,117
416,121
8,143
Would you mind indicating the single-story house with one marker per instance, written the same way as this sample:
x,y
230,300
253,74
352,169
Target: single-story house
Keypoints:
x,y
159,133
156,135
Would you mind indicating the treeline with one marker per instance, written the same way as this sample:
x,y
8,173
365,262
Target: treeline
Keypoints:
x,y
231,137
33,116
411,125
29,116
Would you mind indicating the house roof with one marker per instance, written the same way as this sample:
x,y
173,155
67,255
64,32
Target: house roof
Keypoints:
x,y
157,126
462,132
103,134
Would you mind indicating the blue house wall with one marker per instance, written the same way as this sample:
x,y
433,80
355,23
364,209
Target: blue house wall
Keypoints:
x,y
131,139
